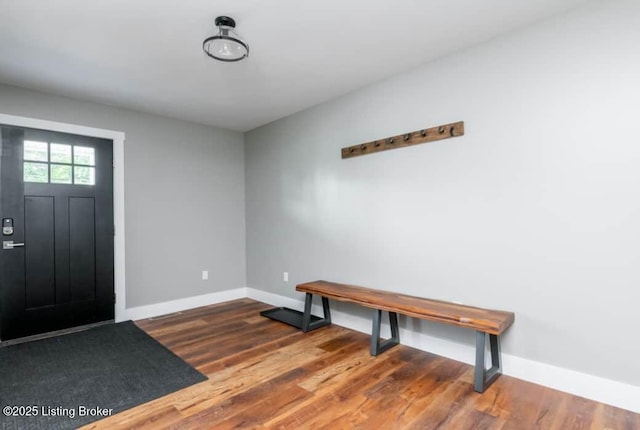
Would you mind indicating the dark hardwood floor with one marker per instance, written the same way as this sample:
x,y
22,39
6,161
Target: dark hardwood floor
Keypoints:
x,y
265,374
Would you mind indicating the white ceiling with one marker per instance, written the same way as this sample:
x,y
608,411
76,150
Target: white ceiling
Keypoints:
x,y
146,54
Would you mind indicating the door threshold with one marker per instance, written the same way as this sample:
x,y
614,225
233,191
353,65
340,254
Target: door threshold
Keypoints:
x,y
53,333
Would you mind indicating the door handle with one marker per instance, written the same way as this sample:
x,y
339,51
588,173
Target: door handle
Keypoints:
x,y
8,244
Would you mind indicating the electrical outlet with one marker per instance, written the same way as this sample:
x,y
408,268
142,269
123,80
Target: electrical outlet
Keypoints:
x,y
285,276
205,275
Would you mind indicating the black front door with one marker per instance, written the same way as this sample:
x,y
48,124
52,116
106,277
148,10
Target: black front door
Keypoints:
x,y
56,197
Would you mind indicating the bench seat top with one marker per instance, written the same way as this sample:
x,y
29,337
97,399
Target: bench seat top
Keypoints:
x,y
485,320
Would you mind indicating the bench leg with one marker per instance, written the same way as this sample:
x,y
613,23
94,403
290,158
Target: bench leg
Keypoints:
x,y
484,377
378,346
307,325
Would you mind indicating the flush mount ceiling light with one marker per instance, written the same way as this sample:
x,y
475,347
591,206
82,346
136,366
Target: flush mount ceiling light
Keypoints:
x,y
226,45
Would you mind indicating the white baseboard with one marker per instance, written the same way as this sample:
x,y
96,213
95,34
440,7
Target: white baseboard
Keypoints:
x,y
164,308
581,384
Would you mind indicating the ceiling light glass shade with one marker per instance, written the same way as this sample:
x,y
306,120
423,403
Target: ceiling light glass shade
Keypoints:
x,y
226,45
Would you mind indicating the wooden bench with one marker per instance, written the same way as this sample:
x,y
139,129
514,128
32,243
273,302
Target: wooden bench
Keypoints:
x,y
486,323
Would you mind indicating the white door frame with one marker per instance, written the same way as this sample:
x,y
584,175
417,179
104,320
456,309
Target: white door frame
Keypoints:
x,y
118,138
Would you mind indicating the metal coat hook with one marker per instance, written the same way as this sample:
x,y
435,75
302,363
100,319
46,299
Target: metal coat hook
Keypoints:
x,y
390,140
423,133
441,130
407,136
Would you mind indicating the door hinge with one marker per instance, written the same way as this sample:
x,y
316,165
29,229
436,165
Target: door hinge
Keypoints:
x,y
114,297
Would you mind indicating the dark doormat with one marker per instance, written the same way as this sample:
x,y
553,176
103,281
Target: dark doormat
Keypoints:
x,y
68,381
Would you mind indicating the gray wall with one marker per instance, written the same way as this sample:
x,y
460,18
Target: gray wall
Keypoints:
x,y
184,196
535,210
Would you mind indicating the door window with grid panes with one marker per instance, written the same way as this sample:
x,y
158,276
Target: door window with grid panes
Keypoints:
x,y
57,163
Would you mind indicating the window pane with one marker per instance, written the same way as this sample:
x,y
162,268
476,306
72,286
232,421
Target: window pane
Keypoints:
x,y
35,151
84,175
36,172
60,154
84,155
60,174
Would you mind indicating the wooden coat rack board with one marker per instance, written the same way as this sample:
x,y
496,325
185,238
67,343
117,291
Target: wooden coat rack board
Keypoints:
x,y
408,139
